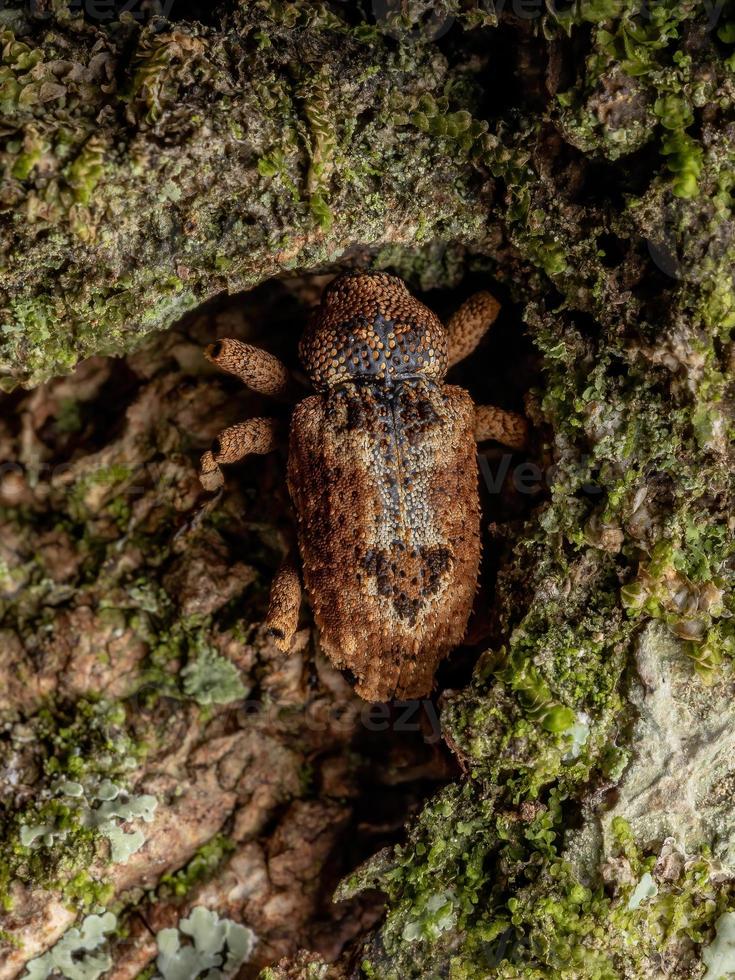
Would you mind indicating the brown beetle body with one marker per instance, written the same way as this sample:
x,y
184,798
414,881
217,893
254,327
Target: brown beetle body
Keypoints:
x,y
383,477
385,490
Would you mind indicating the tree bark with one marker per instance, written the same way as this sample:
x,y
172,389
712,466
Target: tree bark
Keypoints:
x,y
562,806
148,168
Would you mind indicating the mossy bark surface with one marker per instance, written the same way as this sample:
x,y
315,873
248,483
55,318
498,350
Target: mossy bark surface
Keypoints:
x,y
575,820
148,167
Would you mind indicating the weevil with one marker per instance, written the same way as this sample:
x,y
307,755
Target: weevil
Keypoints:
x,y
383,478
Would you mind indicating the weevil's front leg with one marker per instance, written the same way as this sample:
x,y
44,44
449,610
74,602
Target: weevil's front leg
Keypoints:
x,y
285,602
235,443
467,326
259,370
509,428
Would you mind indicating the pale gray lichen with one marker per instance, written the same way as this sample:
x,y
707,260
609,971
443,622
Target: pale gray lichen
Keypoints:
x,y
578,735
645,889
114,804
719,955
78,955
212,679
218,949
678,783
437,916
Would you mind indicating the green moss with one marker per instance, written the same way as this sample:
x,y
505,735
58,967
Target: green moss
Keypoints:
x,y
207,860
84,892
126,184
683,154
50,842
86,170
552,924
10,940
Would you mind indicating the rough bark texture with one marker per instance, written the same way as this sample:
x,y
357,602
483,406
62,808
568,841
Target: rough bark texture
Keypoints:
x,y
146,169
590,834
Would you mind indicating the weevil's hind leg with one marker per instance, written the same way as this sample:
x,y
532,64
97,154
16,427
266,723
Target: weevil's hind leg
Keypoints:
x,y
285,602
466,327
259,370
508,428
235,443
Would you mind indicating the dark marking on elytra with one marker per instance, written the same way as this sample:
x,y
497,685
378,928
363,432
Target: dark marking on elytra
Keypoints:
x,y
408,577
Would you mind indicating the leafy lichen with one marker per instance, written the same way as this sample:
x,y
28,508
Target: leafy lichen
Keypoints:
x,y
218,947
212,679
78,955
52,840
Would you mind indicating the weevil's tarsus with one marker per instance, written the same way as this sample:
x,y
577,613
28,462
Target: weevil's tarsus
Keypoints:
x,y
256,368
285,602
233,444
469,324
210,475
508,428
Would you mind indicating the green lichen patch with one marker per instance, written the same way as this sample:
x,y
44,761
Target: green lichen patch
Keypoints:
x,y
217,944
118,133
79,954
212,679
561,669
200,868
52,840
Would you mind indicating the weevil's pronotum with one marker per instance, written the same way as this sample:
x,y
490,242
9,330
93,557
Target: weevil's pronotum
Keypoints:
x,y
383,477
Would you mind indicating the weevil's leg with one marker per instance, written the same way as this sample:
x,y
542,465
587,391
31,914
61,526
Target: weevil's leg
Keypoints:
x,y
259,370
467,326
509,428
285,602
235,443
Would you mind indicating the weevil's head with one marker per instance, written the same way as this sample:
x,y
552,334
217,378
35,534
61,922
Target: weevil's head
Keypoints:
x,y
368,327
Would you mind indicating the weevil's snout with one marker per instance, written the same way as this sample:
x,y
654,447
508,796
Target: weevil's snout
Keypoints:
x,y
370,328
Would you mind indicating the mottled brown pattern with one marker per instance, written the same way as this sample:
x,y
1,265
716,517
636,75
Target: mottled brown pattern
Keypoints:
x,y
390,542
383,477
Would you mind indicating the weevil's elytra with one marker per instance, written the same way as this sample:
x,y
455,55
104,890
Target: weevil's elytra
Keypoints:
x,y
383,477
